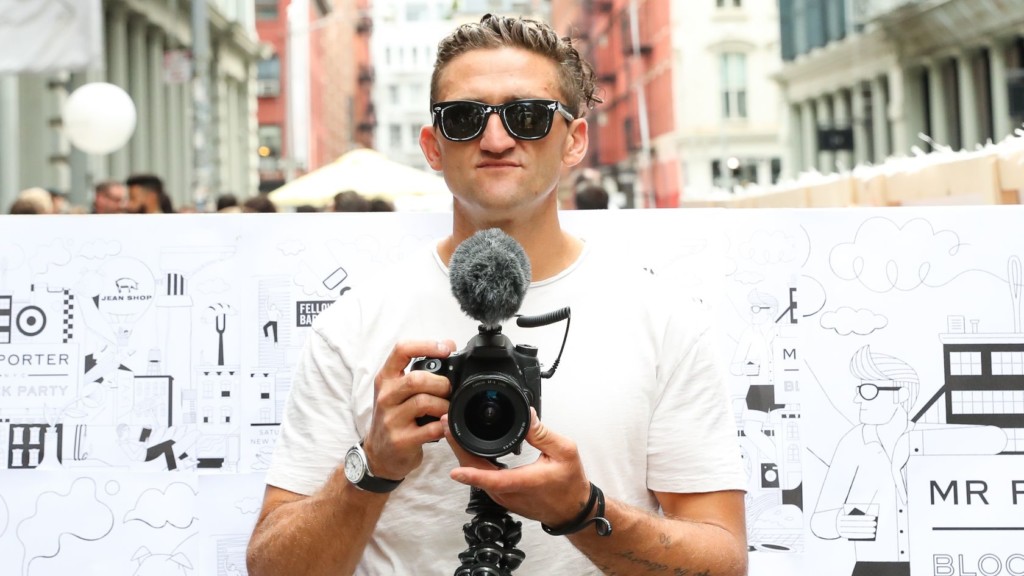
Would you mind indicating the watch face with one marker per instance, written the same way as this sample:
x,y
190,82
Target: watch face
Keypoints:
x,y
353,466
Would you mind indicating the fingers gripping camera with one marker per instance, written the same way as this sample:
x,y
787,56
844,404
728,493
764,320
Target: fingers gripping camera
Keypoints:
x,y
494,384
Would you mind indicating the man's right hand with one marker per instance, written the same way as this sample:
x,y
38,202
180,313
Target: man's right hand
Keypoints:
x,y
394,441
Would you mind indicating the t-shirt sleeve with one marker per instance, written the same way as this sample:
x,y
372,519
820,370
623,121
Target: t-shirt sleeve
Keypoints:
x,y
318,424
692,444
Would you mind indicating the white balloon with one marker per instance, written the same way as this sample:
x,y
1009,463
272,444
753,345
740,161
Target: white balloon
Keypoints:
x,y
99,118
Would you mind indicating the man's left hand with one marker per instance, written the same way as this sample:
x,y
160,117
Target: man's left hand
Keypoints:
x,y
552,490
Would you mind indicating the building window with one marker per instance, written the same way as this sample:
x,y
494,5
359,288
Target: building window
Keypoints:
x,y
414,133
266,10
269,136
268,77
988,401
416,11
225,389
208,390
393,95
1007,363
965,363
734,85
729,3
395,135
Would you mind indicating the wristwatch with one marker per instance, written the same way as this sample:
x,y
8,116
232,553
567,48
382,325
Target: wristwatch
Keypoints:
x,y
358,472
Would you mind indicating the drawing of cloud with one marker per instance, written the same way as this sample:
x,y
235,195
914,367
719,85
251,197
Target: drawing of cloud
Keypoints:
x,y
769,247
291,247
214,286
98,249
158,508
77,514
848,321
54,254
249,505
747,277
885,256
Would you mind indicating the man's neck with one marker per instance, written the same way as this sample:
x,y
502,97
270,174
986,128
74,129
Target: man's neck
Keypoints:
x,y
550,249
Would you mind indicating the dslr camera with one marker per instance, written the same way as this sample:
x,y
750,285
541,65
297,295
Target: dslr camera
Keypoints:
x,y
494,384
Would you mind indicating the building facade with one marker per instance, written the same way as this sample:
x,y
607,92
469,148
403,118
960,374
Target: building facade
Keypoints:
x,y
310,118
148,44
688,97
862,80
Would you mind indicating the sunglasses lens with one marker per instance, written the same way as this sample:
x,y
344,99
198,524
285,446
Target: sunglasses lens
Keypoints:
x,y
462,121
528,120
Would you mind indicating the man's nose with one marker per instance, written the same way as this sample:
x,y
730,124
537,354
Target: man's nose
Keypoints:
x,y
495,138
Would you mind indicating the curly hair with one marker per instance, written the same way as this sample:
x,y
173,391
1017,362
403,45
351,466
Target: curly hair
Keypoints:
x,y
576,75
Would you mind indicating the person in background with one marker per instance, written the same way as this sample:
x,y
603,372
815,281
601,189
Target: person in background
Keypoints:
x,y
306,208
592,197
109,197
60,201
226,200
350,201
381,205
260,203
635,468
146,195
33,201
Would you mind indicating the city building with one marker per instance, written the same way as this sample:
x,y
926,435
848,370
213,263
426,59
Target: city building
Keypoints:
x,y
689,100
862,80
310,118
148,52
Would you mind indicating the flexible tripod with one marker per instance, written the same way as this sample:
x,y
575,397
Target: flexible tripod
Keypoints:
x,y
492,536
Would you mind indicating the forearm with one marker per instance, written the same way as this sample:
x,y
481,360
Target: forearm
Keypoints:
x,y
323,534
644,543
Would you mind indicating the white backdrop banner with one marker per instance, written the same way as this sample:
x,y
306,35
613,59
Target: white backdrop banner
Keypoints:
x,y
875,357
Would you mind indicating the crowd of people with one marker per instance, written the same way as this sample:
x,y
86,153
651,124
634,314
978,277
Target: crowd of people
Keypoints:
x,y
145,194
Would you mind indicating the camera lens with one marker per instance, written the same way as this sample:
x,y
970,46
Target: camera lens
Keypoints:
x,y
489,415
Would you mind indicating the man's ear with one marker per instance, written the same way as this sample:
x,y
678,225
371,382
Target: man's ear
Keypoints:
x,y
431,147
576,142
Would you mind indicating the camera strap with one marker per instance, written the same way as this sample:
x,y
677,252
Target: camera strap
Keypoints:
x,y
601,524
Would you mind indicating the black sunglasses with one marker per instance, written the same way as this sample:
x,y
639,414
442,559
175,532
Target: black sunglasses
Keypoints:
x,y
462,120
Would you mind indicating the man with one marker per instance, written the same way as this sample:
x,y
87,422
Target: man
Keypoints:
x,y
109,198
636,408
592,197
864,496
146,195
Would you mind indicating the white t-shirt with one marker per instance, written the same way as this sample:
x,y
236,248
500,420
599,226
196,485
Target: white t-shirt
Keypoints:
x,y
637,389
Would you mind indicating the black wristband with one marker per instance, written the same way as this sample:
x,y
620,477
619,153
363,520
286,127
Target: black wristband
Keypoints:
x,y
601,524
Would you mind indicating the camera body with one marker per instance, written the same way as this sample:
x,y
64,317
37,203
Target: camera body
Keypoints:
x,y
494,385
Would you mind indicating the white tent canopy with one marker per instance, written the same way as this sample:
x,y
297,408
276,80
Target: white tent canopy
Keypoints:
x,y
371,174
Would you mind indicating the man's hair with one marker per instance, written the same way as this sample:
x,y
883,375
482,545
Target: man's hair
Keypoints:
x,y
147,181
350,201
105,186
576,75
260,203
868,365
592,197
225,200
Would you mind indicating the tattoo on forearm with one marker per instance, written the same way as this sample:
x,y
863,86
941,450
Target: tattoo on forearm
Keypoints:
x,y
664,540
650,565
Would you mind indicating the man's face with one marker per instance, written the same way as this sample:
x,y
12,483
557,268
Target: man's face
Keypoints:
x,y
136,200
495,175
878,399
111,201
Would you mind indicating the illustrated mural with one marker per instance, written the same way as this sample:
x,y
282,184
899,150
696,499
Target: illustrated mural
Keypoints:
x,y
875,359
